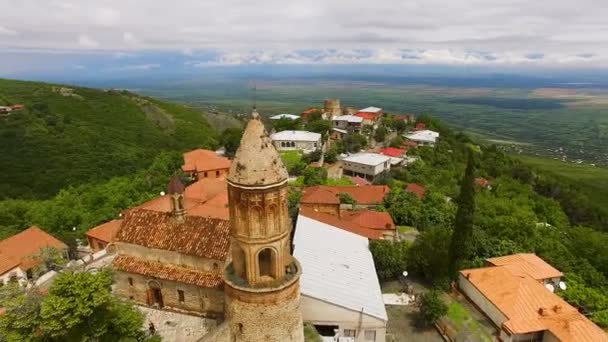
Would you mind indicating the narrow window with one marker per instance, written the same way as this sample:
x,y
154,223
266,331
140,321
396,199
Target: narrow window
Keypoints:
x,y
180,295
217,173
130,281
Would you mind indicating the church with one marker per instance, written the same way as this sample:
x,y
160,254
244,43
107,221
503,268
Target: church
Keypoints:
x,y
240,271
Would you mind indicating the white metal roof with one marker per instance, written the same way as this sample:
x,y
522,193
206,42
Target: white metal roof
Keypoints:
x,y
371,110
349,118
365,158
343,131
337,267
286,116
296,136
424,135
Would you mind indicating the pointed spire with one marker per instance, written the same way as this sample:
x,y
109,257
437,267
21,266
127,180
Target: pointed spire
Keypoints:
x,y
175,185
257,162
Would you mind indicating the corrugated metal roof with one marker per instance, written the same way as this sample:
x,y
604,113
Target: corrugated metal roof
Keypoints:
x,y
371,110
337,267
365,158
296,136
349,118
284,116
425,135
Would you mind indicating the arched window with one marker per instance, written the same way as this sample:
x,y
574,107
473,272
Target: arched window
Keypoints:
x,y
273,219
256,224
267,263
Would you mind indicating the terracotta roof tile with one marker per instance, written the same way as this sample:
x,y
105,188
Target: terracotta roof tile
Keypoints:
x,y
370,219
367,115
527,263
342,223
200,236
105,231
360,181
365,195
167,271
393,152
18,249
417,189
200,160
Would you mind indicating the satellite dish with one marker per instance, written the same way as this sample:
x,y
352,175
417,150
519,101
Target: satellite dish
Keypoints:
x,y
162,193
405,273
562,286
550,287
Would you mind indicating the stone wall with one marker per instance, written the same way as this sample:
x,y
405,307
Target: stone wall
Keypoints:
x,y
197,300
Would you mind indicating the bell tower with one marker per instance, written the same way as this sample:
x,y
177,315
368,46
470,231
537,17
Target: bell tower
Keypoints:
x,y
176,193
262,281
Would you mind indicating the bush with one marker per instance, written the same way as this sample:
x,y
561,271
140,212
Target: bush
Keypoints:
x,y
331,156
431,308
347,199
390,258
315,176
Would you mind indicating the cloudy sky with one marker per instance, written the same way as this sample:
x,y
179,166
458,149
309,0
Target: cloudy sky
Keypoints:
x,y
559,33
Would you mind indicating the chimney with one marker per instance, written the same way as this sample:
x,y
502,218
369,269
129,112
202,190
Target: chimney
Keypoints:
x,y
543,311
557,308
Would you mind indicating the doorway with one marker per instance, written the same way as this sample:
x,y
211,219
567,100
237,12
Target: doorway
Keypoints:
x,y
155,295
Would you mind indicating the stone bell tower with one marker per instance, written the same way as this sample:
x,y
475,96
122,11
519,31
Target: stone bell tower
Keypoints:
x,y
263,279
175,190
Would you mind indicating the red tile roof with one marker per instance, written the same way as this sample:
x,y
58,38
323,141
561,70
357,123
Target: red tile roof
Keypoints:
x,y
310,111
200,160
367,115
530,307
105,231
341,223
417,189
360,181
21,249
393,152
167,271
527,264
365,195
196,235
370,219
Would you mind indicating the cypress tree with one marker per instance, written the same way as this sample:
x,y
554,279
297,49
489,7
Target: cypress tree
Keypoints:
x,y
463,223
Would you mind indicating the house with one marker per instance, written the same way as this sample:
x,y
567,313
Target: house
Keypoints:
x,y
516,293
202,163
348,123
171,258
19,254
101,236
421,126
284,116
423,138
326,198
296,140
397,155
310,112
483,183
340,291
338,133
366,165
416,189
371,224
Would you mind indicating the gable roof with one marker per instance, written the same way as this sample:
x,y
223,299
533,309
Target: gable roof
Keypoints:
x,y
346,222
370,110
296,136
105,231
201,160
530,307
349,118
370,218
393,152
19,249
364,194
199,236
338,268
527,264
367,158
367,115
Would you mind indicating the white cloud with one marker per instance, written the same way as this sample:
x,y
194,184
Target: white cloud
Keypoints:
x,y
87,42
446,30
135,67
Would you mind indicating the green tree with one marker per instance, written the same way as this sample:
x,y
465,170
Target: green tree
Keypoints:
x,y
428,255
52,258
231,139
331,156
346,198
380,134
21,319
286,124
463,222
354,142
314,176
390,257
431,308
396,142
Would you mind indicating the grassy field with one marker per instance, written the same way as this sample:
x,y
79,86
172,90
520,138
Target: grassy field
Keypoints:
x,y
593,180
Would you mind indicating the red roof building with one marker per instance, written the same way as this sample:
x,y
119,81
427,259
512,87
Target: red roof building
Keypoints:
x,y
420,126
393,152
368,116
201,164
360,181
100,236
368,223
416,189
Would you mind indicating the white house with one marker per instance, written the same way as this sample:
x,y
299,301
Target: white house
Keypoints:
x,y
424,137
284,116
366,165
340,291
296,140
349,123
374,110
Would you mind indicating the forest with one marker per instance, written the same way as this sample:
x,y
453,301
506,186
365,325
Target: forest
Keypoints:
x,y
66,136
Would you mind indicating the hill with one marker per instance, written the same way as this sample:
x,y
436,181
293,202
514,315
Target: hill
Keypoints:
x,y
71,135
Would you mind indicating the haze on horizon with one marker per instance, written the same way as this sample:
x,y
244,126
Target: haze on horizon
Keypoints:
x,y
114,36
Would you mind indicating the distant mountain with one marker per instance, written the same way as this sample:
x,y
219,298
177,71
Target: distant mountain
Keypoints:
x,y
70,135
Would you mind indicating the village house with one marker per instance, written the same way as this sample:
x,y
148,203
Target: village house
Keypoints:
x,y
423,138
340,291
416,189
370,115
296,140
310,112
101,236
371,224
20,254
348,123
201,164
326,198
366,165
516,293
397,155
172,259
284,116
